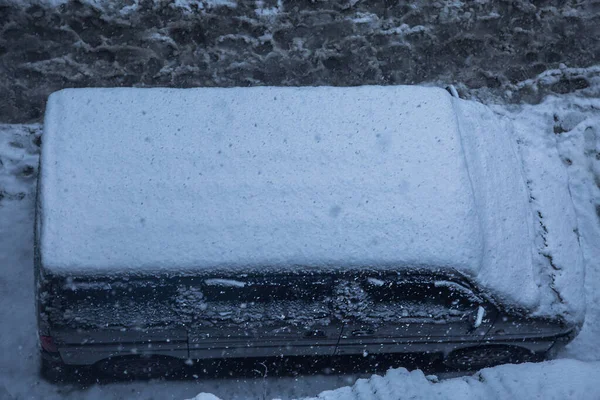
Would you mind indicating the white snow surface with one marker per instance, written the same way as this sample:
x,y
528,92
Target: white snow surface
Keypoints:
x,y
501,201
255,177
561,379
557,253
281,178
560,142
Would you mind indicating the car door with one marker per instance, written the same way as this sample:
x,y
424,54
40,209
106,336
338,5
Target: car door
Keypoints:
x,y
265,316
395,314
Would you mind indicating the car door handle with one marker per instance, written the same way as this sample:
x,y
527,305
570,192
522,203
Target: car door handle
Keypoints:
x,y
363,332
315,333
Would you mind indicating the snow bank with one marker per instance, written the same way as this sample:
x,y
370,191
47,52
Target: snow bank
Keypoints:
x,y
238,179
19,153
561,379
556,253
559,140
581,147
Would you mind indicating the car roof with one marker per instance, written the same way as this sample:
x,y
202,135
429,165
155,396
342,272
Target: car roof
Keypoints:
x,y
246,179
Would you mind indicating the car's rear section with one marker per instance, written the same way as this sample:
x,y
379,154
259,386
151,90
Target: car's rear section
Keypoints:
x,y
91,320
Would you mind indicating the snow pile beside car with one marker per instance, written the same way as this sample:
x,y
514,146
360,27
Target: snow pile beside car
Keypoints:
x,y
561,379
554,253
560,143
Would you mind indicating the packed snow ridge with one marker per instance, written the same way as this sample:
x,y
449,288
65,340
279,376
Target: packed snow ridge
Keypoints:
x,y
559,380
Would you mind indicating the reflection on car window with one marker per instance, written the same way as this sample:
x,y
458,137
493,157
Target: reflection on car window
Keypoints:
x,y
418,298
266,290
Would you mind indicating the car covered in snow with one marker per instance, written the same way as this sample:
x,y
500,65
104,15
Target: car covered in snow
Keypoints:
x,y
193,224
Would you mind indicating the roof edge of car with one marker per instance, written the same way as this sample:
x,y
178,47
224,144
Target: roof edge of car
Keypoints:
x,y
223,273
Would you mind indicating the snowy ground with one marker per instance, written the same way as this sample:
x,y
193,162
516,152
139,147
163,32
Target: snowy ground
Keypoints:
x,y
567,126
561,379
489,45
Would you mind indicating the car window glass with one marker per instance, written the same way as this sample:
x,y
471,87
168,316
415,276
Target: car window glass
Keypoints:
x,y
265,290
415,298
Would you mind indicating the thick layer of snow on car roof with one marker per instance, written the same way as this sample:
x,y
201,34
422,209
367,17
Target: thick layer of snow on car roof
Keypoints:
x,y
253,177
288,178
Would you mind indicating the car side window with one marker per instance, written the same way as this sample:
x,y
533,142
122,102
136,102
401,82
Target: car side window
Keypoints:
x,y
422,298
266,290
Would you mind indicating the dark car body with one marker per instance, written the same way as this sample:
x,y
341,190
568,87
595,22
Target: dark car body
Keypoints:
x,y
97,319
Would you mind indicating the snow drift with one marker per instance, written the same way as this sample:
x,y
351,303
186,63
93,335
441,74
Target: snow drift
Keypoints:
x,y
563,379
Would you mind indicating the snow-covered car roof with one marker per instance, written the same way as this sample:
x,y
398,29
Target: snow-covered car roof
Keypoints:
x,y
266,178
